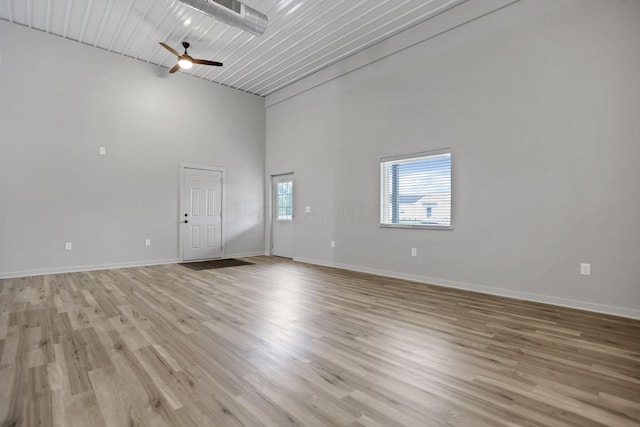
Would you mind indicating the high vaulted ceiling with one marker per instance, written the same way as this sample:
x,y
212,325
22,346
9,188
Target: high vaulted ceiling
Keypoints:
x,y
302,37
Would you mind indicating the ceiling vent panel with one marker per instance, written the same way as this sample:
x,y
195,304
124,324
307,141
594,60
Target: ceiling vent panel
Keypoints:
x,y
232,12
230,4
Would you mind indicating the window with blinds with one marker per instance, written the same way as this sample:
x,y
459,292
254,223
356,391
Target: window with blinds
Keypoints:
x,y
415,190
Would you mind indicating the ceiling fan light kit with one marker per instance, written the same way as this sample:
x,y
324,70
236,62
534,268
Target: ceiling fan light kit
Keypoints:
x,y
185,61
232,12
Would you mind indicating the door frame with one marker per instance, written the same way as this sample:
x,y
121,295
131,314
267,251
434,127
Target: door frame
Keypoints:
x,y
223,171
272,207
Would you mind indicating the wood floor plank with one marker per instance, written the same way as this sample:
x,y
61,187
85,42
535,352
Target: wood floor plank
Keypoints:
x,y
157,370
280,343
82,410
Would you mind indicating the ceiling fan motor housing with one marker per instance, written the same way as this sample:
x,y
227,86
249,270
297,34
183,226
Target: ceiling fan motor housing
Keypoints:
x,y
232,12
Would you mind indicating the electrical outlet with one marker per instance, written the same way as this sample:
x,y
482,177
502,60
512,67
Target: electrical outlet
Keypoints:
x,y
414,252
307,209
147,242
333,243
103,151
68,246
585,269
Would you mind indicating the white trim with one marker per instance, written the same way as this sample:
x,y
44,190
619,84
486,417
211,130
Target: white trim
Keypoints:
x,y
184,165
78,268
526,296
417,226
417,156
223,172
272,207
245,255
563,302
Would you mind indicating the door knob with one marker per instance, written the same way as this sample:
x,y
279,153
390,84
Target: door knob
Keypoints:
x,y
185,221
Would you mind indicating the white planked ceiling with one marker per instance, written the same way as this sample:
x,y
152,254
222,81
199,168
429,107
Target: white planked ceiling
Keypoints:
x,y
303,36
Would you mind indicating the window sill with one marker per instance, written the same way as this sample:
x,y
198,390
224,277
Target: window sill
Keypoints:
x,y
417,226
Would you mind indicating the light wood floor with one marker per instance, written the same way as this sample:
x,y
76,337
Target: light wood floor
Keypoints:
x,y
281,343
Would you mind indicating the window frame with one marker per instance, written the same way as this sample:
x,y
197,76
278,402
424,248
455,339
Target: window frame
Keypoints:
x,y
277,201
385,160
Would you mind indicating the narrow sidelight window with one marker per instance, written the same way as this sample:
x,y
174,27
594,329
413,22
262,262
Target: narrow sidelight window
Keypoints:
x,y
285,201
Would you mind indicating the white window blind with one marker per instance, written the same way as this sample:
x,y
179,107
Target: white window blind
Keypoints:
x,y
416,190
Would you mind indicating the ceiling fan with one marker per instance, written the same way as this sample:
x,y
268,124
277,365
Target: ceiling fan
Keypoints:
x,y
185,61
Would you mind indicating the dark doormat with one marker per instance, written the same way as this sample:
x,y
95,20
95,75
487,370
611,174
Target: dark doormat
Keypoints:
x,y
216,263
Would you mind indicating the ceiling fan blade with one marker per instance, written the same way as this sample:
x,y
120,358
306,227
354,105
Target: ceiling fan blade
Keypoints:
x,y
175,68
205,62
170,49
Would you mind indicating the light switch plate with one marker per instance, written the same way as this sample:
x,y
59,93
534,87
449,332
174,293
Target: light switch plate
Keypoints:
x,y
68,246
307,209
147,242
585,269
103,151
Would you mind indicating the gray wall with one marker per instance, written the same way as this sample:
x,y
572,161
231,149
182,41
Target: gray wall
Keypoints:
x,y
539,102
60,101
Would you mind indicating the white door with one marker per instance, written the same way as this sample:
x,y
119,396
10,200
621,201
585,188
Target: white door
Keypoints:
x,y
201,214
282,225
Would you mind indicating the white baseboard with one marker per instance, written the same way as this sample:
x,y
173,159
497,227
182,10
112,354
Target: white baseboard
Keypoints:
x,y
244,255
74,269
546,299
